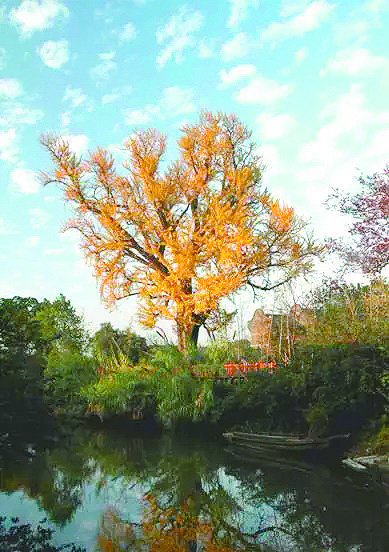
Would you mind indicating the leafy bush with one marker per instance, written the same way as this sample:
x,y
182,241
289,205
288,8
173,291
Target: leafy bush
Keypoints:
x,y
221,351
264,399
66,373
340,387
119,393
166,359
181,398
110,341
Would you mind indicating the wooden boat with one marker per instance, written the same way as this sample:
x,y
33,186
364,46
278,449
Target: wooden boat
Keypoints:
x,y
272,442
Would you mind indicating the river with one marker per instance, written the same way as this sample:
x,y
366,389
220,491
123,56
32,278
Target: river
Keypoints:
x,y
110,489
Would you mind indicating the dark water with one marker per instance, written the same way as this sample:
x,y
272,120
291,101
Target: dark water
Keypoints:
x,y
113,491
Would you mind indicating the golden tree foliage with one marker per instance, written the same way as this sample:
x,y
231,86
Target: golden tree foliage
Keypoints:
x,y
183,239
176,529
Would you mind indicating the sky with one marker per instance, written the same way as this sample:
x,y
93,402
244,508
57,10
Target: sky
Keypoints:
x,y
309,78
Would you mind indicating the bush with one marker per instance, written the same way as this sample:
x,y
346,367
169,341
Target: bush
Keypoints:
x,y
265,400
166,359
181,398
66,373
340,387
119,393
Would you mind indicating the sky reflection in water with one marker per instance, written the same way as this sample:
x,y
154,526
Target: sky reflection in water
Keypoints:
x,y
108,491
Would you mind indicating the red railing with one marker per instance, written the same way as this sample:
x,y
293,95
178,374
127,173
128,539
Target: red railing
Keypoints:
x,y
249,367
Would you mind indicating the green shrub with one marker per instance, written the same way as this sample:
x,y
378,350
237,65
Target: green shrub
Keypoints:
x,y
181,398
264,399
339,387
166,359
219,352
66,373
119,393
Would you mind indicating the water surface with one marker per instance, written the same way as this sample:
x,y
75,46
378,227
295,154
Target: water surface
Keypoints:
x,y
109,490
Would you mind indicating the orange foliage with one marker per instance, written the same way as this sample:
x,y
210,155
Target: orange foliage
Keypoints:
x,y
174,529
184,239
114,534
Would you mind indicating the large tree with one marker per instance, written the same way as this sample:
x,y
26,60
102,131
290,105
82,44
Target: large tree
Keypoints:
x,y
187,237
369,245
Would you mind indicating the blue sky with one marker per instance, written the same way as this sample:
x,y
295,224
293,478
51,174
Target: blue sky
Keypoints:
x,y
310,78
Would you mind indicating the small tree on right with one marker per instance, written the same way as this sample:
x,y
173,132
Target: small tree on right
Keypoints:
x,y
369,247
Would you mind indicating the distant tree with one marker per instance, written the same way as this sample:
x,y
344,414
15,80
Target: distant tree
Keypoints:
x,y
184,239
19,328
111,341
22,348
61,327
350,314
369,248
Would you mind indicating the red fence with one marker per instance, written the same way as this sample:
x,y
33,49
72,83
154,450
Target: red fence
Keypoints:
x,y
244,368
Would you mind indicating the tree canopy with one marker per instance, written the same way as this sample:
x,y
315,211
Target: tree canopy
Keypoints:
x,y
185,238
369,249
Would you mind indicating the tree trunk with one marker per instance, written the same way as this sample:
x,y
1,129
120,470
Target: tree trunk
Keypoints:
x,y
195,334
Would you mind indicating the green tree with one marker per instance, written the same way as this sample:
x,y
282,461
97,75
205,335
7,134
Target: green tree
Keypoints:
x,y
19,329
22,348
111,341
60,325
350,313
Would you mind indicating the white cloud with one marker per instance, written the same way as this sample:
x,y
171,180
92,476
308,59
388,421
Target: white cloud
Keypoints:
x,y
25,181
54,54
272,161
128,32
3,58
235,48
343,140
376,5
240,10
174,101
32,241
289,7
140,116
274,127
109,98
6,229
78,143
236,74
57,251
378,149
311,18
347,31
261,90
300,55
102,70
35,15
65,118
8,148
75,96
206,48
177,101
38,217
115,94
14,113
177,35
354,62
10,88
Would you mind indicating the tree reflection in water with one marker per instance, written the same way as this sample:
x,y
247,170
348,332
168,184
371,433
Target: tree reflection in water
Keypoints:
x,y
197,498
